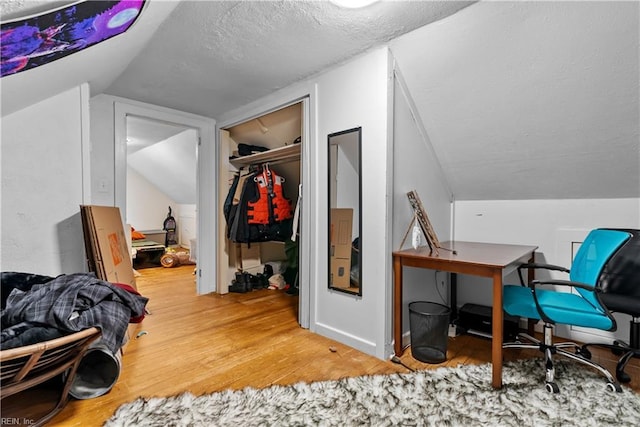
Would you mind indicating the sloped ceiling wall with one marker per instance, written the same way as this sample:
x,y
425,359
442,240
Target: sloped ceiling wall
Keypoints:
x,y
165,155
530,100
170,165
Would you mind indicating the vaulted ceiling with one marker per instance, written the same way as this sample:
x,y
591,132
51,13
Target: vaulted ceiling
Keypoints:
x,y
520,100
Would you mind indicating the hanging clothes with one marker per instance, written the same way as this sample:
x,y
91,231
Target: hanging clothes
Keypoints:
x,y
262,212
271,205
232,200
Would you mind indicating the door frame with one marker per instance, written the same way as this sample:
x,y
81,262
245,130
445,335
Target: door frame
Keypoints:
x,y
205,176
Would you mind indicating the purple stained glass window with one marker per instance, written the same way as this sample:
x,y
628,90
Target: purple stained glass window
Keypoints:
x,y
38,40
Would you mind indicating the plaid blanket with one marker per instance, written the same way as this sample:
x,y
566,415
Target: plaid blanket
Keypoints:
x,y
72,303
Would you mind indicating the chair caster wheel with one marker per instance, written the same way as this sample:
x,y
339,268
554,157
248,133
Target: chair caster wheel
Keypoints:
x,y
623,377
552,387
614,387
584,352
619,349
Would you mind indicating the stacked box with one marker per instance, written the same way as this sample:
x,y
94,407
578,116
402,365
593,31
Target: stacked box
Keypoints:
x,y
340,234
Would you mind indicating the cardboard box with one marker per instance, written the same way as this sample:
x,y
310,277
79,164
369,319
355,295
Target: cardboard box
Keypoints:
x,y
340,232
246,257
106,244
340,272
108,253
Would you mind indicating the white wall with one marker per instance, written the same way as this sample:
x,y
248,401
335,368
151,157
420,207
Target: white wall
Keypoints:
x,y
42,185
147,206
549,224
186,217
102,151
357,94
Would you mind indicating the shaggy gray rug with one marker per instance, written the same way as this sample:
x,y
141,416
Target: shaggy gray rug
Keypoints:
x,y
460,396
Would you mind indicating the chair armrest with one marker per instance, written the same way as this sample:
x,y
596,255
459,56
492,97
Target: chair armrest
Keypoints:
x,y
537,265
536,283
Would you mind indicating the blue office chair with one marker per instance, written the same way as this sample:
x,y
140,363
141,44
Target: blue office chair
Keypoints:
x,y
583,308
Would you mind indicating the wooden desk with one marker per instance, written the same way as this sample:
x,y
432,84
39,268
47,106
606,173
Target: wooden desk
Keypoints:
x,y
477,259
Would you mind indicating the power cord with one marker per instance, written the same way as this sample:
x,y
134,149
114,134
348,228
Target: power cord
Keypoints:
x,y
396,359
435,278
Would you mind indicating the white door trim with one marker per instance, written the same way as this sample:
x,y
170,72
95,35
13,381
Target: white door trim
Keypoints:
x,y
206,172
308,264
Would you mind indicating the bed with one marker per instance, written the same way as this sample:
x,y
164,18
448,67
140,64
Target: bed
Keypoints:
x,y
147,252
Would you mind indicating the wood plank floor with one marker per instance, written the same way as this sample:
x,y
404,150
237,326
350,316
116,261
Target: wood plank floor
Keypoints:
x,y
208,343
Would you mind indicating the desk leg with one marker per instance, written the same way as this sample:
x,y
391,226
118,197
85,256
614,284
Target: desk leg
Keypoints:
x,y
453,297
496,342
397,306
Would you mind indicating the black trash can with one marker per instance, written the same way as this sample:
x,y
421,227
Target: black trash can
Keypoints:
x,y
429,326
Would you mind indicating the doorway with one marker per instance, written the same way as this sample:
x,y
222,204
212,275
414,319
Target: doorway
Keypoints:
x,y
169,155
161,188
277,140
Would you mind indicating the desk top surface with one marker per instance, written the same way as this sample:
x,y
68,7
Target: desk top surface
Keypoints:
x,y
490,254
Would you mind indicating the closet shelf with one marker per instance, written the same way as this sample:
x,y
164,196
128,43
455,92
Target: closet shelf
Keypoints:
x,y
279,155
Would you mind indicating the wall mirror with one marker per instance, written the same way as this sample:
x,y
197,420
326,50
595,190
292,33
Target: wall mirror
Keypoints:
x,y
345,221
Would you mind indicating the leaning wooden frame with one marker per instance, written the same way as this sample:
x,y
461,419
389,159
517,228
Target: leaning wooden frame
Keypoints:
x,y
423,219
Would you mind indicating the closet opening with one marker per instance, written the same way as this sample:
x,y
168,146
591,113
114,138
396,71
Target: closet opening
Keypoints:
x,y
260,201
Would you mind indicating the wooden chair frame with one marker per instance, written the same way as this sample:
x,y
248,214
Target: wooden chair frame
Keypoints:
x,y
25,367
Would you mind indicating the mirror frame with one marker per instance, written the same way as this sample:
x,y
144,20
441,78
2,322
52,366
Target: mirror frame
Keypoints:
x,y
350,290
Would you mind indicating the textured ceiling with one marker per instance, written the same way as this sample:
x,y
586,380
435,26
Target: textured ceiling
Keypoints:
x,y
10,9
210,57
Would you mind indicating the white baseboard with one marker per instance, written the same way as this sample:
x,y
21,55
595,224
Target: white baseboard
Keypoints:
x,y
347,339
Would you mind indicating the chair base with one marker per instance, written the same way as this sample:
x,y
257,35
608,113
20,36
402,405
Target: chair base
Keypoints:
x,y
620,347
549,349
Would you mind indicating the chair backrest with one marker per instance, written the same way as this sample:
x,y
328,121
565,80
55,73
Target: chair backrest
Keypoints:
x,y
621,275
594,253
24,367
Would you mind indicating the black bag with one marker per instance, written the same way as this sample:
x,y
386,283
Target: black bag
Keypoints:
x,y
170,227
248,149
